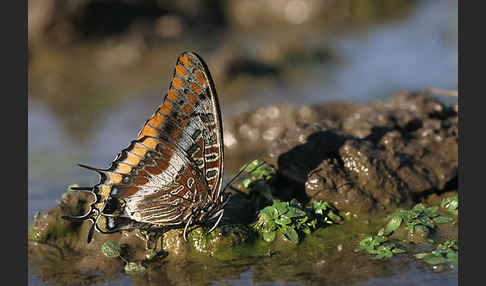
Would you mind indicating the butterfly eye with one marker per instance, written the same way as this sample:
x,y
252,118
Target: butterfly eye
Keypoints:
x,y
111,223
115,191
125,180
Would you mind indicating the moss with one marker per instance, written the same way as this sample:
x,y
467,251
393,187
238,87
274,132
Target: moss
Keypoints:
x,y
225,242
111,249
134,268
49,230
36,234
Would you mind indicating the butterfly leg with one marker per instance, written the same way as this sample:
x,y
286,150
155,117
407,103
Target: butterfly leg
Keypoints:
x,y
220,213
185,228
156,238
153,239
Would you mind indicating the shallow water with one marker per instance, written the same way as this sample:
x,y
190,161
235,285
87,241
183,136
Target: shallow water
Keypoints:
x,y
415,53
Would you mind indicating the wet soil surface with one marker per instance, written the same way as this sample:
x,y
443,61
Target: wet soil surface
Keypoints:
x,y
366,159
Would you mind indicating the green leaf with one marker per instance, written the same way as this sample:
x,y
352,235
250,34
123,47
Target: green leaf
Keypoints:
x,y
334,217
442,219
319,207
271,225
451,203
421,255
268,211
445,252
379,256
418,208
312,223
366,242
281,207
283,220
269,236
398,250
451,244
431,211
291,234
306,230
454,204
432,259
295,203
421,228
410,227
452,258
295,212
302,220
246,183
393,224
252,165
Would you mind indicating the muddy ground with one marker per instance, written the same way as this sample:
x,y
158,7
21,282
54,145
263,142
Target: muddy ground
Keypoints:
x,y
366,159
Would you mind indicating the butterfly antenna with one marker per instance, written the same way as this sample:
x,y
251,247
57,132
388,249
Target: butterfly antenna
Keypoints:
x,y
241,173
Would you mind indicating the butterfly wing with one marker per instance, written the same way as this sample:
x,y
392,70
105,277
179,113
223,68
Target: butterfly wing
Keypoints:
x,y
175,164
192,93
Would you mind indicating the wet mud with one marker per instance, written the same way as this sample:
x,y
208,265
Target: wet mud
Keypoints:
x,y
366,159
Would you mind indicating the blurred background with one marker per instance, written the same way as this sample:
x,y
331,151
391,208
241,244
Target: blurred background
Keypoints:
x,y
98,69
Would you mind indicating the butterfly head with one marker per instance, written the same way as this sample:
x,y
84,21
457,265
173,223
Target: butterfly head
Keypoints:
x,y
212,208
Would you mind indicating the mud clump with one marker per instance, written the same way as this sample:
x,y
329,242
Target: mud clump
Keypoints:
x,y
364,158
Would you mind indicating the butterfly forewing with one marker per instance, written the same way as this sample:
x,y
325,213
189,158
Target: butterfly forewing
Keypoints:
x,y
192,89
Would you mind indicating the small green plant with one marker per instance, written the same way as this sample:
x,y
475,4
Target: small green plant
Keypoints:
x,y
378,245
446,252
451,204
419,218
257,170
257,183
294,220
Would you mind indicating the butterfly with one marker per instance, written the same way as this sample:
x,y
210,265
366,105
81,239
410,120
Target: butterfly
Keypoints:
x,y
171,174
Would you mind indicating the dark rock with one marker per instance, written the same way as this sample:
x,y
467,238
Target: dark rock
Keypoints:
x,y
364,158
